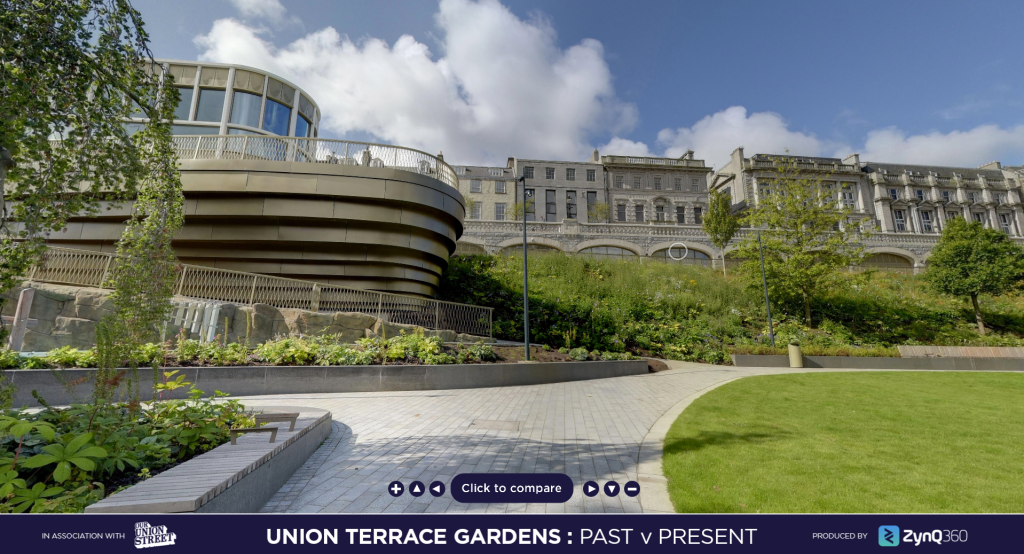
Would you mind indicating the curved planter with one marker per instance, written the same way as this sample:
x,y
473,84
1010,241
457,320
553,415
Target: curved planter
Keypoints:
x,y
52,385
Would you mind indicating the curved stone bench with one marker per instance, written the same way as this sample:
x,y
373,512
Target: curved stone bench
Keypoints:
x,y
230,478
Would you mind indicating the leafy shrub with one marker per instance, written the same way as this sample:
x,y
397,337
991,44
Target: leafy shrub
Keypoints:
x,y
69,356
63,459
474,353
9,359
579,354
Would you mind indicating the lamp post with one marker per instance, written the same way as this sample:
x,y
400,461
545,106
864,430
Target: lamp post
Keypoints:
x,y
526,278
764,281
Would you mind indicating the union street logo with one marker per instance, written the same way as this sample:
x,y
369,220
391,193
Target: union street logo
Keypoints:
x,y
146,535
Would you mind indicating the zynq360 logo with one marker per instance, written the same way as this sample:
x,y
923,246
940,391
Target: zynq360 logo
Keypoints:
x,y
889,535
147,535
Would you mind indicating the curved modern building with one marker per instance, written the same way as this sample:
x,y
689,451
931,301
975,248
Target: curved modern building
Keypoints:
x,y
265,195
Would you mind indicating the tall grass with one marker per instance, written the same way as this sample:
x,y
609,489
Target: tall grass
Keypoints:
x,y
694,313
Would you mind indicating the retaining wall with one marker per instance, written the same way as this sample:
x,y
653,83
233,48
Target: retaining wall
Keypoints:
x,y
54,385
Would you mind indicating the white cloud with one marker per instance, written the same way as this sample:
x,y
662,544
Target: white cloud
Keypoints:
x,y
714,137
624,147
503,86
970,148
259,9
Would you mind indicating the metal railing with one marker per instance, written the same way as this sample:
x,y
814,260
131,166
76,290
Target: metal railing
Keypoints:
x,y
312,150
91,269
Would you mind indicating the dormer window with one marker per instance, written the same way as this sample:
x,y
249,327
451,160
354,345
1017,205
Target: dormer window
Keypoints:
x,y
496,171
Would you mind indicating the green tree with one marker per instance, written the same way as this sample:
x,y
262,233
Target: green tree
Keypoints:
x,y
806,234
599,212
71,73
516,214
970,260
720,223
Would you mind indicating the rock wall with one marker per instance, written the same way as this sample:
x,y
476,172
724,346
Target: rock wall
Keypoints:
x,y
67,316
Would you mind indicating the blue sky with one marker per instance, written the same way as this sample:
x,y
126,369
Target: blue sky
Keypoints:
x,y
901,81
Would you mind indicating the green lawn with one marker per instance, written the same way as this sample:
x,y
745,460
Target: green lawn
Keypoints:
x,y
852,442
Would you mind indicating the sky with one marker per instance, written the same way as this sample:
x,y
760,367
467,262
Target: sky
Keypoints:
x,y
928,82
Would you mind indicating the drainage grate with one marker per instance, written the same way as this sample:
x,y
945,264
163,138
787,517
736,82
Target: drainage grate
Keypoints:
x,y
494,425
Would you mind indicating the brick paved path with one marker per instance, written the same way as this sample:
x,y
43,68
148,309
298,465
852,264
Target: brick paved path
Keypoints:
x,y
589,430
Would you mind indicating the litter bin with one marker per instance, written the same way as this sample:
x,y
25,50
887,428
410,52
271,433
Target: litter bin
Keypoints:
x,y
796,359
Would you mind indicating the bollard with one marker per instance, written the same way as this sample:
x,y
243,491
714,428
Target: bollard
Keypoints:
x,y
796,359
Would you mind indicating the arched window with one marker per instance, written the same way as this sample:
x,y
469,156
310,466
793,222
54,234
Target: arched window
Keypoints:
x,y
530,248
692,257
608,252
888,262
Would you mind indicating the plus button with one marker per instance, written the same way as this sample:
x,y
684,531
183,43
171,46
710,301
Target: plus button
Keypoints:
x,y
396,488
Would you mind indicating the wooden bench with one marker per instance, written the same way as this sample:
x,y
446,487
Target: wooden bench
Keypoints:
x,y
233,433
289,417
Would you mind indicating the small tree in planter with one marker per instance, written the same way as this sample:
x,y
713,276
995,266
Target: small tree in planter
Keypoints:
x,y
970,260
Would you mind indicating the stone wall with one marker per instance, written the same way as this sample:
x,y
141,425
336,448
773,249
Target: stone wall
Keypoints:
x,y
67,316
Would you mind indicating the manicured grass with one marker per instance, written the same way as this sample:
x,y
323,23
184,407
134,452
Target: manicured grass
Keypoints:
x,y
852,442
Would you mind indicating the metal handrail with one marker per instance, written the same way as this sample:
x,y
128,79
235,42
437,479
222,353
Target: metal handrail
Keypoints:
x,y
92,269
313,150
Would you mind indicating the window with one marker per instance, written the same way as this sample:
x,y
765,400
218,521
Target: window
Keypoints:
x,y
1005,223
474,211
900,220
194,130
620,212
639,210
1000,198
979,217
659,213
551,209
474,185
920,195
636,182
528,172
608,252
952,215
926,222
972,196
591,202
688,256
496,171
303,128
276,118
894,194
591,175
185,104
211,105
698,217
680,215
657,183
549,173
531,205
695,185
570,204
499,211
945,196
849,201
460,170
245,109
678,184
620,181
570,174
499,187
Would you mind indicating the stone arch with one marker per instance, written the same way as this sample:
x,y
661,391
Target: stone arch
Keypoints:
x,y
470,246
534,241
702,248
901,252
635,248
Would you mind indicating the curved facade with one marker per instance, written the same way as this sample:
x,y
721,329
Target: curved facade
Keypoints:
x,y
223,99
264,195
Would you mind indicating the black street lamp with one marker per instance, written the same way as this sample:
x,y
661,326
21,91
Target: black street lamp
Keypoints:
x,y
526,278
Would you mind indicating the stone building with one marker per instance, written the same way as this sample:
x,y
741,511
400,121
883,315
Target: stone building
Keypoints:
x,y
659,190
905,206
561,190
490,191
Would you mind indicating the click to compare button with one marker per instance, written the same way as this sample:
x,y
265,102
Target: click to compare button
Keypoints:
x,y
539,488
591,488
